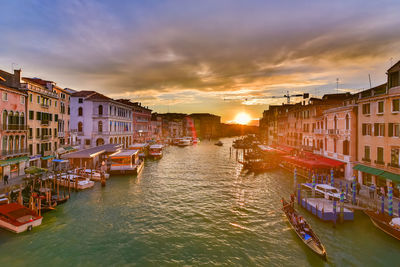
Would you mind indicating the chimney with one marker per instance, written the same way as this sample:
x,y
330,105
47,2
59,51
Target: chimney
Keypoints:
x,y
16,80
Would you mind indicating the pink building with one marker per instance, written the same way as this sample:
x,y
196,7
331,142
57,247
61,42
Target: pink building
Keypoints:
x,y
339,133
379,133
13,130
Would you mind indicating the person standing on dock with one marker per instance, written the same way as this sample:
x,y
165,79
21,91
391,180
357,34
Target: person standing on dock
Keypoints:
x,y
5,178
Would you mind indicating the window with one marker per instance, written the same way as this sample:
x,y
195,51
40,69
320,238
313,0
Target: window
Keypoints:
x,y
80,126
37,132
30,134
30,98
22,99
346,145
31,114
5,96
395,105
100,110
80,100
55,117
38,99
87,142
394,157
381,107
30,149
366,129
347,122
379,158
100,127
38,115
379,129
55,103
80,111
366,109
394,129
366,153
334,145
335,122
393,79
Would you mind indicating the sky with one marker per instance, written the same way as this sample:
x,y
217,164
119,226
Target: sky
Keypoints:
x,y
221,57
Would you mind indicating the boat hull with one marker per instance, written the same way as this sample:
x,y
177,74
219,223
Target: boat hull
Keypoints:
x,y
20,228
311,242
381,221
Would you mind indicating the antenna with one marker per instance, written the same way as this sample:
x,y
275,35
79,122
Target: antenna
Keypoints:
x,y
337,85
369,77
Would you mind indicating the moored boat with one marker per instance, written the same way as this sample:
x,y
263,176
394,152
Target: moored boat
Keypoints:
x,y
156,151
17,218
384,222
143,149
303,229
219,143
75,181
184,142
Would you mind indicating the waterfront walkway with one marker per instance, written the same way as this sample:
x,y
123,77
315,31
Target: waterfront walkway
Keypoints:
x,y
12,184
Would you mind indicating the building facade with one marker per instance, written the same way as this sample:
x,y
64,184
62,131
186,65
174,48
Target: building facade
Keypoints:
x,y
13,129
98,120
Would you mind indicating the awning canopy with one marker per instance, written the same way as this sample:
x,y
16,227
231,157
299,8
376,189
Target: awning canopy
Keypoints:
x,y
391,176
60,160
47,157
309,164
370,170
330,162
13,161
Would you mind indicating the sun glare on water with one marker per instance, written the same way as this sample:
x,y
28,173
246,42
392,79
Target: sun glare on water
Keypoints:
x,y
242,118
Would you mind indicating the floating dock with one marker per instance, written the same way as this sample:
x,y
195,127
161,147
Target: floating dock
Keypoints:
x,y
323,209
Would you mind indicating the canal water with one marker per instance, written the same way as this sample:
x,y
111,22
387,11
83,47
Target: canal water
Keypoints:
x,y
193,207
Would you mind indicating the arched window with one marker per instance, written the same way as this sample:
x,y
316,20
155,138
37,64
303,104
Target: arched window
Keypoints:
x,y
100,127
115,140
334,145
80,126
335,123
4,145
22,142
100,110
16,118
80,111
10,143
10,118
346,147
347,122
111,140
22,119
4,119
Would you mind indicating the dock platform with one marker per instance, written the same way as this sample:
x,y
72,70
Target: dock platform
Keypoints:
x,y
323,209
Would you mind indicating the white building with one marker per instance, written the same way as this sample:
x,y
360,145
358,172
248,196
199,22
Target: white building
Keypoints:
x,y
99,120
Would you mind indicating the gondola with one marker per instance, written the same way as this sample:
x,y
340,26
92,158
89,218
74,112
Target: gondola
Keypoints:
x,y
305,233
386,223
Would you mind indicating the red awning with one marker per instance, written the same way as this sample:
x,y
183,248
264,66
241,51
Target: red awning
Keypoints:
x,y
307,163
330,162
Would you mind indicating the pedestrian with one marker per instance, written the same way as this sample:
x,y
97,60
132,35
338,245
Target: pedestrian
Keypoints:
x,y
5,179
358,186
382,191
372,191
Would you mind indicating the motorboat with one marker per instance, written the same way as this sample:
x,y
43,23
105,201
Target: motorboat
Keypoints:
x,y
17,218
219,143
156,151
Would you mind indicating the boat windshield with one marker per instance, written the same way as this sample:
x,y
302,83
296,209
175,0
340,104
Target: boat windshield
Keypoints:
x,y
333,191
124,160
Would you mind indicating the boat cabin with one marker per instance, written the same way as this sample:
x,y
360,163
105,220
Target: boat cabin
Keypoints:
x,y
125,161
156,150
143,149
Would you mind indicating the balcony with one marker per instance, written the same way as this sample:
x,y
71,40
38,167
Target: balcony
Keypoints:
x,y
379,162
44,105
45,137
319,131
366,160
112,133
14,127
44,122
333,131
393,165
14,152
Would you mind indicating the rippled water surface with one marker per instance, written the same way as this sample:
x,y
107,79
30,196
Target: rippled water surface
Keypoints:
x,y
193,207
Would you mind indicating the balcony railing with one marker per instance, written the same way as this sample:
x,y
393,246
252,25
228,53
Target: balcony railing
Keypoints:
x,y
14,127
318,131
44,105
366,160
394,165
333,131
14,152
112,132
44,122
45,137
379,162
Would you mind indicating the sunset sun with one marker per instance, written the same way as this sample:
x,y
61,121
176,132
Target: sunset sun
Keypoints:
x,y
242,118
